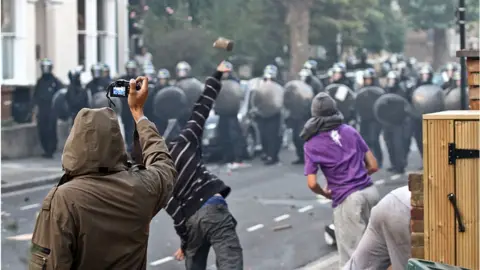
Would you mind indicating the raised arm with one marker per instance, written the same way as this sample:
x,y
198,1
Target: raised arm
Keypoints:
x,y
193,131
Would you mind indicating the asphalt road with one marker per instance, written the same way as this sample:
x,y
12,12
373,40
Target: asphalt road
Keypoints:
x,y
261,199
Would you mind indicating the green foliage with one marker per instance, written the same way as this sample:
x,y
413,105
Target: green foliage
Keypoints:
x,y
435,14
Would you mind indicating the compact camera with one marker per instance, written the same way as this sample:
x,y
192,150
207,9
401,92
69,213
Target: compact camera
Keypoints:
x,y
120,88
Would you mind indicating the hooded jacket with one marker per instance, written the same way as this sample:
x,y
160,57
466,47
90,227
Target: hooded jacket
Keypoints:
x,y
98,216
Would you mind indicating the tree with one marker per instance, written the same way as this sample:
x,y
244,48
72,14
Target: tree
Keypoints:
x,y
298,21
437,15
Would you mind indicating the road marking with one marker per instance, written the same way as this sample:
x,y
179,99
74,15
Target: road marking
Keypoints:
x,y
25,191
326,262
30,206
161,261
305,209
280,218
395,177
254,228
21,237
380,182
5,214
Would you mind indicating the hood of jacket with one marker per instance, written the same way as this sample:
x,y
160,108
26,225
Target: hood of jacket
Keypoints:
x,y
95,144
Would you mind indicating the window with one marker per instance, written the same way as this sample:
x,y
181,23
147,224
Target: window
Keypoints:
x,y
101,30
81,32
8,38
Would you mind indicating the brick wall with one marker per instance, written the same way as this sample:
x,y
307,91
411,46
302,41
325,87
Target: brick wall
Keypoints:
x,y
415,185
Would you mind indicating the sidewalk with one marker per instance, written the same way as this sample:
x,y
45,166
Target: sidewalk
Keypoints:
x,y
31,172
327,262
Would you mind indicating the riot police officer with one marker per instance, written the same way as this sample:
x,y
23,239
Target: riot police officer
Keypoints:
x,y
370,78
163,78
425,76
339,75
449,81
47,85
397,138
270,72
126,115
77,97
229,131
106,73
309,78
311,65
99,83
183,71
363,63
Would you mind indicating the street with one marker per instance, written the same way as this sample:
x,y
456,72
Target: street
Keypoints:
x,y
262,199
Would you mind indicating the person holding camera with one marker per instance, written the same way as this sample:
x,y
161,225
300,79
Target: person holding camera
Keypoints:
x,y
98,216
198,206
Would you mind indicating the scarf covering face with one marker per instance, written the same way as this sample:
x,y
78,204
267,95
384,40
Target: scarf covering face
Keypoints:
x,y
325,116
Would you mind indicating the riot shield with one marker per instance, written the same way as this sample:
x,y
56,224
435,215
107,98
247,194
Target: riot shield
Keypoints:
x,y
365,99
100,100
391,110
268,98
60,106
297,99
427,99
345,98
192,88
170,103
453,99
230,97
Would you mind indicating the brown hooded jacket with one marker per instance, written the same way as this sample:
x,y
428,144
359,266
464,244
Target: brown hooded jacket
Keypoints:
x,y
98,216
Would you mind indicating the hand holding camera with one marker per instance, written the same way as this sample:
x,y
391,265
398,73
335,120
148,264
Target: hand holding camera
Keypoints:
x,y
137,99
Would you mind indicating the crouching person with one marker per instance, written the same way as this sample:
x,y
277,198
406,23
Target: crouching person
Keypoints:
x,y
347,163
387,239
198,206
98,216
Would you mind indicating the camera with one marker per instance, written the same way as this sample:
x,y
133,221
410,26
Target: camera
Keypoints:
x,y
120,88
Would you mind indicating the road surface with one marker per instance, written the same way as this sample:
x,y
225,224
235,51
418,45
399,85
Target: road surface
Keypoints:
x,y
261,199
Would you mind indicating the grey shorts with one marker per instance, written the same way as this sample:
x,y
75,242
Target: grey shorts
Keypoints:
x,y
213,226
351,218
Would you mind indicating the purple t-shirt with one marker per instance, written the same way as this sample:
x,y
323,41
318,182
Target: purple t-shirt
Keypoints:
x,y
340,154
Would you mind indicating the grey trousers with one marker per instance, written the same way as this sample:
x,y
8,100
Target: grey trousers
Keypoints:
x,y
387,238
213,226
351,218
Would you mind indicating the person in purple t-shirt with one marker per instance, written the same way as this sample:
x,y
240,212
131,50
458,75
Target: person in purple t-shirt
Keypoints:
x,y
342,155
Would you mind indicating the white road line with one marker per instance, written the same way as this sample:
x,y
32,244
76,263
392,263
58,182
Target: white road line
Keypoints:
x,y
305,209
161,261
25,191
5,214
254,228
324,263
395,177
21,237
380,182
30,206
280,218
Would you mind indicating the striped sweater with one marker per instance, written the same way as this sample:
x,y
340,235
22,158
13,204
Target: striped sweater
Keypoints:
x,y
195,184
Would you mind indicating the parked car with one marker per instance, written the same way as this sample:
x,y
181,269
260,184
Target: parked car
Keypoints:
x,y
250,131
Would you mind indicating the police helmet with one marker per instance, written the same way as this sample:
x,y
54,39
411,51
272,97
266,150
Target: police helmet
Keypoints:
x,y
339,67
96,70
311,65
369,73
163,74
46,65
183,69
304,74
457,75
270,72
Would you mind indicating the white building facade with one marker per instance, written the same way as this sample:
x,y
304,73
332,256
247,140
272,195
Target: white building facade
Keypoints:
x,y
69,32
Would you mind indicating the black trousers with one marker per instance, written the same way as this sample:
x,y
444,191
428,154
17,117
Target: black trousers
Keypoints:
x,y
370,131
47,130
213,226
417,133
297,126
270,135
397,140
128,124
230,138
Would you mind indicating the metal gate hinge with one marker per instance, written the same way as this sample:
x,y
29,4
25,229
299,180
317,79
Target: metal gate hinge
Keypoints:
x,y
455,153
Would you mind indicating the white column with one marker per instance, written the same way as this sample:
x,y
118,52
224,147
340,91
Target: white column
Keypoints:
x,y
31,41
20,63
90,33
110,43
